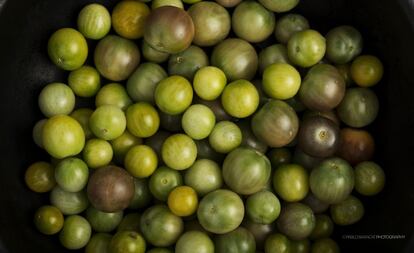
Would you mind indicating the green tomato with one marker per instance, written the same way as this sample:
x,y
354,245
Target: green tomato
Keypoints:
x,y
72,174
369,178
194,241
82,116
240,98
198,121
48,220
291,182
279,5
288,25
75,233
276,53
367,70
101,221
85,81
142,83
97,153
152,54
209,82
69,202
159,3
40,177
204,176
225,137
63,136
325,245
187,62
278,243
142,195
107,122
142,120
281,81
94,21
113,94
252,22
323,227
55,99
123,144
67,48
141,161
343,43
99,243
173,95
306,48
179,151
37,132
127,242
348,211
163,181
263,207
220,211
239,240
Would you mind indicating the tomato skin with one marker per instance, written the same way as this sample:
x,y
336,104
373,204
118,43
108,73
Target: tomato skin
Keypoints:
x,y
220,211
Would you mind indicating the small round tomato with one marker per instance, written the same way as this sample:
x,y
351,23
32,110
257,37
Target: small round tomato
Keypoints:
x,y
56,98
72,174
281,81
97,153
240,99
173,95
107,122
369,178
123,144
142,120
306,48
128,19
179,151
48,220
198,121
94,21
225,137
141,161
113,94
40,177
183,201
67,48
366,70
209,82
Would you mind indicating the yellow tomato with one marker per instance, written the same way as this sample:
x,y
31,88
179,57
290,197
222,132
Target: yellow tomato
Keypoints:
x,y
128,19
183,201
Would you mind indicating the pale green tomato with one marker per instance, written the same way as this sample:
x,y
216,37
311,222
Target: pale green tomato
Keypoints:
x,y
281,81
107,122
97,153
113,94
179,151
142,120
85,81
55,99
198,121
225,137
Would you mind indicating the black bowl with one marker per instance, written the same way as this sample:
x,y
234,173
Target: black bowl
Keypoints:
x,y
387,26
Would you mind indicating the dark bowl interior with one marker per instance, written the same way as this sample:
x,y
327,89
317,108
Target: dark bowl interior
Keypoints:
x,y
387,26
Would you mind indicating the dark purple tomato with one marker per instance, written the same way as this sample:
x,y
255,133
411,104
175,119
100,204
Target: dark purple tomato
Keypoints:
x,y
228,3
116,58
169,29
322,88
356,145
110,189
359,107
296,221
307,161
211,21
187,62
249,139
160,226
246,171
216,107
237,58
317,205
276,123
318,136
332,180
239,240
259,231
